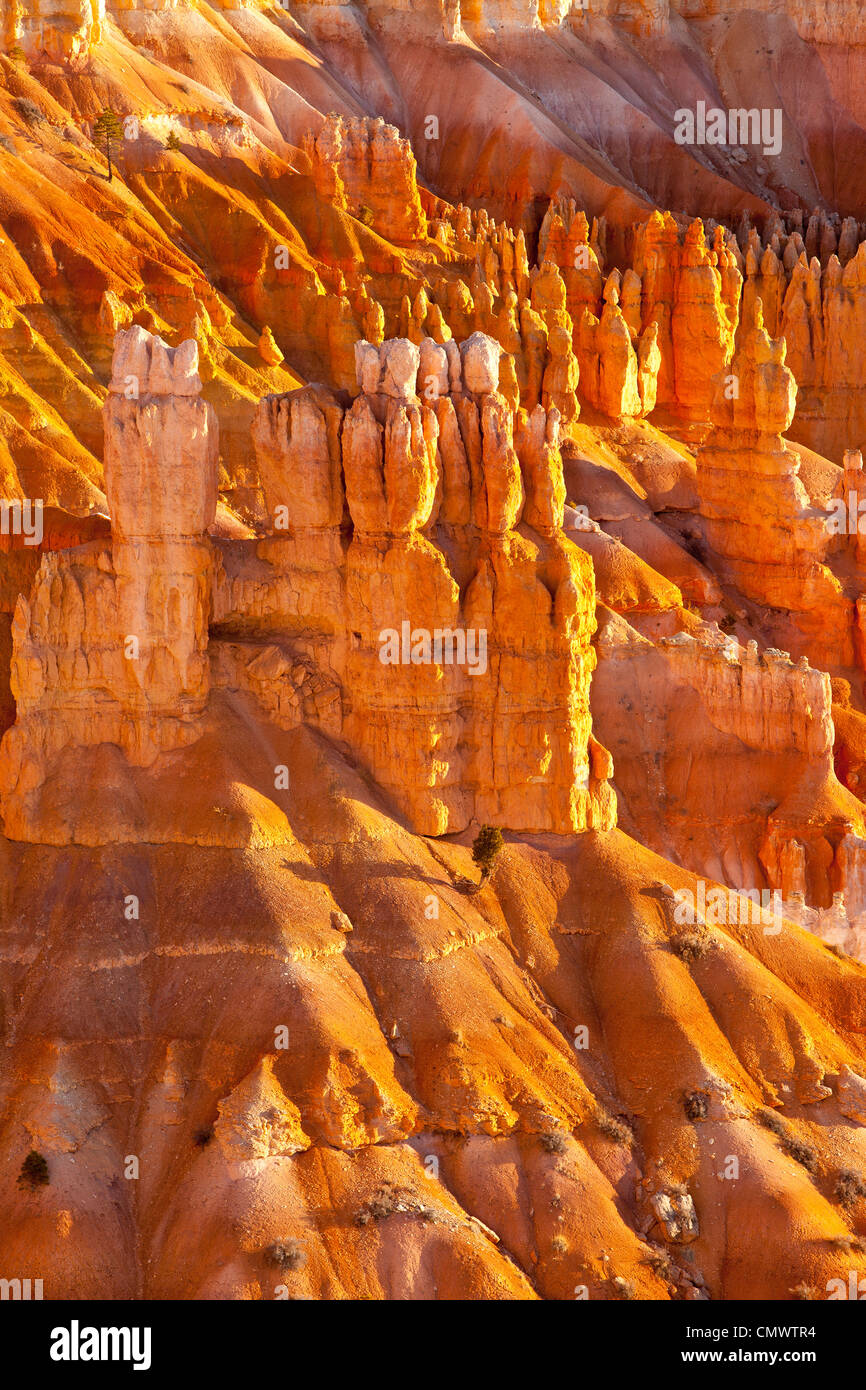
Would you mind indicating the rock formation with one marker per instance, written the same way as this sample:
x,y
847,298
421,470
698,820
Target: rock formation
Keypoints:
x,y
376,453
451,650
441,618
111,645
760,519
365,166
62,31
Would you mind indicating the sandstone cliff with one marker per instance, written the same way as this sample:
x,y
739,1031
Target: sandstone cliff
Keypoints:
x,y
448,647
416,435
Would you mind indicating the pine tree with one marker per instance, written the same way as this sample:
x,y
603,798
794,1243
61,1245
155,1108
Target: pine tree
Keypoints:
x,y
107,128
487,845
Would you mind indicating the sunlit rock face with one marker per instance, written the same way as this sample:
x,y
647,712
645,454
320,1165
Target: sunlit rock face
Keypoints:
x,y
407,434
367,167
436,481
59,30
111,645
459,676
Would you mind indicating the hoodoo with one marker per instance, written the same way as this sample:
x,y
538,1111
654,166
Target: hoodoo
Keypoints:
x,y
432,652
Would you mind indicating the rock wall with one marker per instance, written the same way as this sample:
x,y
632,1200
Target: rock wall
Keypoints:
x,y
456,509
772,542
809,273
111,645
764,699
571,333
59,30
834,21
725,764
417,599
364,165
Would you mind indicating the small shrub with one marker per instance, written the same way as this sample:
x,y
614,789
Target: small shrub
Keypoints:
x,y
6,143
365,215
29,111
34,1171
386,1201
553,1143
795,1148
614,1127
17,54
801,1153
624,1288
661,1264
202,1137
696,1105
559,1245
803,1291
173,141
771,1121
380,1205
690,945
848,1243
286,1254
849,1188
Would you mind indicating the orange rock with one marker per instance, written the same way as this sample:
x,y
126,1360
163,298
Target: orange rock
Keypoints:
x,y
281,752
124,627
775,550
429,444
694,304
561,376
366,166
268,349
